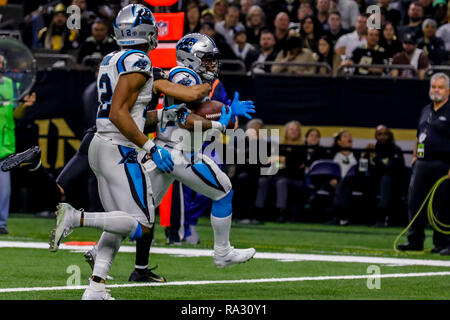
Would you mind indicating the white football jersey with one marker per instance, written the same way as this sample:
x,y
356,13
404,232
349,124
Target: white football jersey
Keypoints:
x,y
173,133
112,66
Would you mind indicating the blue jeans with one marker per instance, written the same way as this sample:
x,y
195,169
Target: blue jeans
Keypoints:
x,y
5,192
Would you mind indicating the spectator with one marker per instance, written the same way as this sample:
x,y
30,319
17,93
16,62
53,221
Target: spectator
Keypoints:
x,y
310,32
272,8
415,15
444,33
410,55
8,112
350,41
245,9
192,18
227,27
294,53
346,160
87,19
387,172
392,15
431,45
327,54
292,168
207,16
369,54
323,9
389,40
57,36
303,11
349,12
314,151
220,8
335,30
255,22
98,44
225,50
281,32
427,6
265,53
246,179
241,47
440,12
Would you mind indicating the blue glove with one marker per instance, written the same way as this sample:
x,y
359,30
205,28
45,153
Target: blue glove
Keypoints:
x,y
162,159
225,117
241,108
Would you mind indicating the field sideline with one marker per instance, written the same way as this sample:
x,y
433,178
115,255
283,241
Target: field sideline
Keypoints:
x,y
293,261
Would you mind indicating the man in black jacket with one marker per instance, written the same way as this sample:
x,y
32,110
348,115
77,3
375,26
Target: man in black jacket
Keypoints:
x,y
266,52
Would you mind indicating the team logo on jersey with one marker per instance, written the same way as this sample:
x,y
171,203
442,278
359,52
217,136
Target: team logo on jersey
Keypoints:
x,y
141,63
144,16
187,44
163,28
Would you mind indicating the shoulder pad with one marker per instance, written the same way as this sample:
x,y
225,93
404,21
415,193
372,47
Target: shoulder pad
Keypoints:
x,y
134,61
184,76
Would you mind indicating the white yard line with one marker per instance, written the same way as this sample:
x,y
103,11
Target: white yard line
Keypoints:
x,y
264,280
285,257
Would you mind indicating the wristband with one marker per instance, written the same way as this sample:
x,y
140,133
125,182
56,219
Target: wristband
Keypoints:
x,y
147,147
217,125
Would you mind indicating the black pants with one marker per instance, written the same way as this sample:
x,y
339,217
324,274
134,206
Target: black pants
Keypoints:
x,y
425,175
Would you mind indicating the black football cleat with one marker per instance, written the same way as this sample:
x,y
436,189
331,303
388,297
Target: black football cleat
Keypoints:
x,y
410,247
29,159
148,276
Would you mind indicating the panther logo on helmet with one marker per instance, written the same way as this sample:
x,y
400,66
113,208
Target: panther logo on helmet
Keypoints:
x,y
186,44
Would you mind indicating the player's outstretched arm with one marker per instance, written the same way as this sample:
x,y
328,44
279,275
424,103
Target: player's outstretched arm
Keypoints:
x,y
181,92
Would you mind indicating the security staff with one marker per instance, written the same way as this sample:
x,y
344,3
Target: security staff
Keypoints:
x,y
431,161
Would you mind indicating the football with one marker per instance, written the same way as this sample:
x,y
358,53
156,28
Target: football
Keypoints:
x,y
212,110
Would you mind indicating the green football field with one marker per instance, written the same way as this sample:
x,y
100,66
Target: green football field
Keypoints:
x,y
293,261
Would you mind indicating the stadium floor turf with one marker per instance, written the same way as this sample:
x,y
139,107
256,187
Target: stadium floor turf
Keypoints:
x,y
261,278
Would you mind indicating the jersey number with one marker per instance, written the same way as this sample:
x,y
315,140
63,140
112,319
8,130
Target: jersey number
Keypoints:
x,y
105,97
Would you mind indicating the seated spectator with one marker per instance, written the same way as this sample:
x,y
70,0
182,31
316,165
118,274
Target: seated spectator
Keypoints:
x,y
440,12
444,33
292,165
192,18
410,55
57,36
345,158
227,27
87,19
281,31
392,15
255,22
431,45
335,30
225,50
389,40
327,54
427,6
310,32
246,179
349,12
387,172
350,41
323,13
303,11
369,54
245,9
414,26
294,53
241,47
314,151
207,16
220,8
265,53
99,43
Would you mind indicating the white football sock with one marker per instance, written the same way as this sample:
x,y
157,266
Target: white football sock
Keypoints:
x,y
108,245
221,228
117,222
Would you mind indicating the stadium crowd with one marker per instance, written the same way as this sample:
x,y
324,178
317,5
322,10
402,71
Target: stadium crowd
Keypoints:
x,y
302,37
